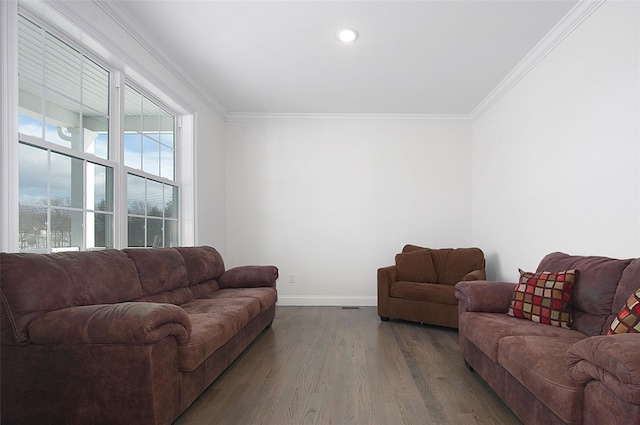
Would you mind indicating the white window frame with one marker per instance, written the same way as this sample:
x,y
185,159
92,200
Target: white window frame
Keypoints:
x,y
83,36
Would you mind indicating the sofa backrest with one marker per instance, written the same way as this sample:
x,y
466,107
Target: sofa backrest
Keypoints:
x,y
595,289
33,284
452,264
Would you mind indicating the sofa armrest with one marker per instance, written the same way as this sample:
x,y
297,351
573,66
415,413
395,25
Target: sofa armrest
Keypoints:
x,y
249,277
484,296
475,275
122,323
610,359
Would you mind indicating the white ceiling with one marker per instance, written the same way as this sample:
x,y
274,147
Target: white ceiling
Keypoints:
x,y
412,57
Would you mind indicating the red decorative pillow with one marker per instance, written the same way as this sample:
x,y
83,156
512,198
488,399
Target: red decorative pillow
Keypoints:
x,y
544,297
416,266
628,319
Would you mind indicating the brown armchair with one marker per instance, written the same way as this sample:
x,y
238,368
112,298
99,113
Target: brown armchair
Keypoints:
x,y
420,287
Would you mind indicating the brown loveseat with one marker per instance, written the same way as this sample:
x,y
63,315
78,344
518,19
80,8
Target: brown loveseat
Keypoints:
x,y
123,337
554,375
420,286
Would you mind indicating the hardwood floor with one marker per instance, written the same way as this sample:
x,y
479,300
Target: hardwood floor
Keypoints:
x,y
331,365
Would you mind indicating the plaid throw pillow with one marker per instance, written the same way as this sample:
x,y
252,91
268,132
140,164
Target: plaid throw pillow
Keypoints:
x,y
628,319
544,297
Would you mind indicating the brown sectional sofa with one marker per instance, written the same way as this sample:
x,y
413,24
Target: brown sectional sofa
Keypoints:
x,y
123,337
553,375
420,286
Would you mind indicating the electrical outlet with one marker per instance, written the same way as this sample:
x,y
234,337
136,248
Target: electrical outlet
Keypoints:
x,y
292,278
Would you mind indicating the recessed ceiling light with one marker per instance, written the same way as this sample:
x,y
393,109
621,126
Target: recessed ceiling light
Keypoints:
x,y
347,35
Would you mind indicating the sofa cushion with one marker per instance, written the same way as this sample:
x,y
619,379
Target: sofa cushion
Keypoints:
x,y
430,292
32,284
203,263
628,318
544,297
265,296
213,323
595,290
538,363
416,266
485,330
159,269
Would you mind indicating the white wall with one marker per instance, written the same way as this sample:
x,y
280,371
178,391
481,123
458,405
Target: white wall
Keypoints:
x,y
556,161
331,202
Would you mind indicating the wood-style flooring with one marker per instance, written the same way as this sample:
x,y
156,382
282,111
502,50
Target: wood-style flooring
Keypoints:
x,y
333,365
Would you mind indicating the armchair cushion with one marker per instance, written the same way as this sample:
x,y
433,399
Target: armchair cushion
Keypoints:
x,y
416,266
544,297
429,292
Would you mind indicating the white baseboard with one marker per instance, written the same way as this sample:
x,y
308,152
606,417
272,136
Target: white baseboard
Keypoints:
x,y
339,301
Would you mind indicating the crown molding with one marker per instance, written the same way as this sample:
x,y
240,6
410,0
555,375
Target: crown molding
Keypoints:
x,y
572,20
369,118
134,28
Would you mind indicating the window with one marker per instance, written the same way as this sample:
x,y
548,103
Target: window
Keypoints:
x,y
59,197
63,95
152,199
152,212
68,197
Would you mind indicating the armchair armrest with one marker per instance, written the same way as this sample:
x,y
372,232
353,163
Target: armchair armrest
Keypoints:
x,y
610,359
386,276
484,296
249,277
122,323
475,275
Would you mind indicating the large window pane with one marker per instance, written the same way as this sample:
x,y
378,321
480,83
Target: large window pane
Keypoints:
x,y
133,150
33,164
150,156
170,201
67,229
135,232
62,117
30,41
154,233
63,68
30,108
155,201
67,181
151,119
136,195
94,80
100,186
166,129
171,233
166,162
96,135
149,136
102,225
32,233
